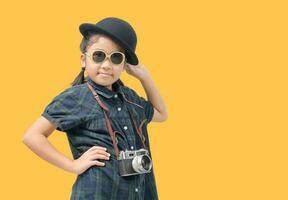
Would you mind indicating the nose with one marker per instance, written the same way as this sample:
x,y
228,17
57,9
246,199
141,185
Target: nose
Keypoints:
x,y
106,64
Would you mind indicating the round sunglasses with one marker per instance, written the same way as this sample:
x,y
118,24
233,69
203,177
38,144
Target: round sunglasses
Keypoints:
x,y
99,56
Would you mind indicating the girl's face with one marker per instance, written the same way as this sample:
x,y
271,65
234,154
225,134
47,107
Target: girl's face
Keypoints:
x,y
104,73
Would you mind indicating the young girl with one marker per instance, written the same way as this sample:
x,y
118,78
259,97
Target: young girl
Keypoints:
x,y
102,118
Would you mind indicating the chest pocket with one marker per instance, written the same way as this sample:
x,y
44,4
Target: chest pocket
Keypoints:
x,y
138,114
96,129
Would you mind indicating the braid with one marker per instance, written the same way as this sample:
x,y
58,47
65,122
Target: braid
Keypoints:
x,y
80,79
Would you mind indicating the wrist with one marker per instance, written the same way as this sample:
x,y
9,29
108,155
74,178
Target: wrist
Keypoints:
x,y
72,167
144,78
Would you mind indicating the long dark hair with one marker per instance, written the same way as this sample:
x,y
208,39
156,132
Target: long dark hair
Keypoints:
x,y
85,43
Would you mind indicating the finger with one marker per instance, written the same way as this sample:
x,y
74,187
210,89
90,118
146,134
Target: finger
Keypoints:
x,y
96,147
98,151
97,163
99,156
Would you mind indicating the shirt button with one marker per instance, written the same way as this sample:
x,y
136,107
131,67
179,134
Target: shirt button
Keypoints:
x,y
119,109
132,147
115,96
136,189
125,127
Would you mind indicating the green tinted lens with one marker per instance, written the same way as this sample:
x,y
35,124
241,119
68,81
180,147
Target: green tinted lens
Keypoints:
x,y
117,58
98,56
145,162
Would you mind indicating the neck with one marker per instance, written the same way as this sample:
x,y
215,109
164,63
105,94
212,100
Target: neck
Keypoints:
x,y
109,87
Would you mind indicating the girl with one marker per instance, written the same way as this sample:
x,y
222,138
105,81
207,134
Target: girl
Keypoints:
x,y
102,117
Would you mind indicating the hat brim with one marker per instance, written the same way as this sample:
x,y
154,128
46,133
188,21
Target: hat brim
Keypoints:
x,y
129,53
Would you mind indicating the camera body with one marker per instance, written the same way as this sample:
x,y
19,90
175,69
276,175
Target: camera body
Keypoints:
x,y
134,162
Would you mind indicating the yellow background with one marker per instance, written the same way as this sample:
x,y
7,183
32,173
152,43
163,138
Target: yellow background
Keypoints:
x,y
221,67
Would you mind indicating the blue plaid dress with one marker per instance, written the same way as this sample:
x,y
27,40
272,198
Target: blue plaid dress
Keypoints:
x,y
76,112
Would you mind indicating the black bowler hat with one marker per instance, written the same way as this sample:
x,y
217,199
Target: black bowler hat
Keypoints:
x,y
118,30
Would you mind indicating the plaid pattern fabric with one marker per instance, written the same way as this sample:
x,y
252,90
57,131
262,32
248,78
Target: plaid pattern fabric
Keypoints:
x,y
76,112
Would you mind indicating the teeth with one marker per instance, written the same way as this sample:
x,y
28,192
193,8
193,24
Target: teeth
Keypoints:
x,y
105,74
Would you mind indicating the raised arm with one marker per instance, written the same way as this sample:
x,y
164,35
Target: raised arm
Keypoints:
x,y
140,72
153,95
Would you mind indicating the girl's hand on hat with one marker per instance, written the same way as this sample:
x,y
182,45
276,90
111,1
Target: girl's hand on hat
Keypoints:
x,y
90,158
138,71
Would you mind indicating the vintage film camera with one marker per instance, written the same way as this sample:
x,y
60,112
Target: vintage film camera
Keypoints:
x,y
134,162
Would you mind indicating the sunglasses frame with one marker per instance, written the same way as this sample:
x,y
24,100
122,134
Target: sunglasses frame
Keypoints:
x,y
89,54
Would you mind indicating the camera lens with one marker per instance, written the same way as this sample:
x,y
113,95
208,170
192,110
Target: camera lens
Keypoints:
x,y
145,162
142,164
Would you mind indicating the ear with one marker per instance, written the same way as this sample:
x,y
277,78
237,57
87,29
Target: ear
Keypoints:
x,y
124,66
82,60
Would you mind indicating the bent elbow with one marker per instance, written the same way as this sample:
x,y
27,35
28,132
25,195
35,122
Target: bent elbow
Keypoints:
x,y
163,118
25,139
159,117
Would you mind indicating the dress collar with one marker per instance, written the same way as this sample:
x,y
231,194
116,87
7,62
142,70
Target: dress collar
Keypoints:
x,y
102,90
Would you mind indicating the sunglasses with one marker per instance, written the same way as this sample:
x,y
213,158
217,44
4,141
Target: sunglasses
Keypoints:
x,y
99,56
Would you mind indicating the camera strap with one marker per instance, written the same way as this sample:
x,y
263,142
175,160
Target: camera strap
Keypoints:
x,y
138,129
108,124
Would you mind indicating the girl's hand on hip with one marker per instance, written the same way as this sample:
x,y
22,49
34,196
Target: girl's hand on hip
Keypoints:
x,y
90,158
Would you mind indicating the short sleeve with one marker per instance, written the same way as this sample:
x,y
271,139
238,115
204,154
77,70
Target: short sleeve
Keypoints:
x,y
64,111
146,104
148,108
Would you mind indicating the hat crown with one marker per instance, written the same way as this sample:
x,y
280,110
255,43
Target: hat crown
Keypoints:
x,y
119,26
